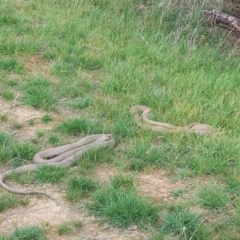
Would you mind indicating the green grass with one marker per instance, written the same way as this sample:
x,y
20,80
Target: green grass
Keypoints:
x,y
47,118
44,174
142,155
8,95
184,224
39,94
26,233
80,102
96,59
11,65
123,182
68,227
15,152
78,188
123,208
214,197
79,126
64,228
3,118
10,201
50,174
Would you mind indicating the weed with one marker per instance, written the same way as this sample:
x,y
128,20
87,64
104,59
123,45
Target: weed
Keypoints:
x,y
16,126
14,151
142,155
64,228
68,227
78,126
10,201
123,182
3,118
80,187
122,209
11,65
27,233
50,174
124,126
94,157
40,134
8,95
31,122
214,197
183,223
178,192
55,140
47,118
21,152
37,93
80,103
4,139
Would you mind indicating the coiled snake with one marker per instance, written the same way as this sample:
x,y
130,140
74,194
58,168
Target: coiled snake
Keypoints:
x,y
63,156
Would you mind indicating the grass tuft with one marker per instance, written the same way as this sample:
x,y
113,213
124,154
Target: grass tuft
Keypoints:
x,y
47,118
27,233
50,174
38,93
123,208
80,187
21,152
79,126
214,197
11,65
123,182
124,126
68,227
80,103
10,201
184,223
142,155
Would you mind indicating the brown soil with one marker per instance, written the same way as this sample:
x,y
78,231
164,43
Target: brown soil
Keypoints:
x,y
21,116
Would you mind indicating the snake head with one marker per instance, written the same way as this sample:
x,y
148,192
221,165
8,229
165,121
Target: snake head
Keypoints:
x,y
138,108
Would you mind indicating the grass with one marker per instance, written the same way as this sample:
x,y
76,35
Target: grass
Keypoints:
x,y
44,174
78,188
39,94
26,233
68,227
123,182
95,60
50,174
13,151
10,201
183,222
47,118
214,197
77,126
123,208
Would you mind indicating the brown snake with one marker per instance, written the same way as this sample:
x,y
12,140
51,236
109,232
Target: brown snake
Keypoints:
x,y
63,156
141,113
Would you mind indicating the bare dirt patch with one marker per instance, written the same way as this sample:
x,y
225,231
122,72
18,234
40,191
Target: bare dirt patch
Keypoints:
x,y
19,117
158,185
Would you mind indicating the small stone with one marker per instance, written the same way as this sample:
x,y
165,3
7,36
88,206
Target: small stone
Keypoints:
x,y
132,228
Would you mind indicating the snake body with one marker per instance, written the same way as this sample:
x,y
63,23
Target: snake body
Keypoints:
x,y
63,156
141,114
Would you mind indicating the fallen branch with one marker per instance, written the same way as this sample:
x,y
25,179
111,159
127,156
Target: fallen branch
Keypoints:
x,y
224,20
